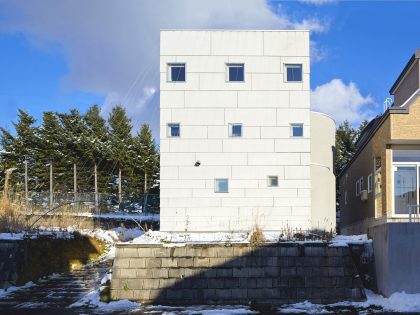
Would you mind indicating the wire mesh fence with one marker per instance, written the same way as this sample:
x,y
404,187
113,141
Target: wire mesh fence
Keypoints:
x,y
90,203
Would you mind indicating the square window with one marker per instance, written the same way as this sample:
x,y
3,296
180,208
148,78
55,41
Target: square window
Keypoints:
x,y
235,72
235,130
296,130
176,72
273,181
221,185
294,73
174,130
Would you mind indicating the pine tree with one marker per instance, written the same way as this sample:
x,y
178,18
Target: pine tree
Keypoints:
x,y
8,158
147,159
97,149
121,146
345,140
51,150
24,147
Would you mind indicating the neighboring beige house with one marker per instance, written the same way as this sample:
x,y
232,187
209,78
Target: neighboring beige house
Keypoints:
x,y
381,181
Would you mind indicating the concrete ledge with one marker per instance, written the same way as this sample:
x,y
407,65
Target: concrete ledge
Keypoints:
x,y
234,274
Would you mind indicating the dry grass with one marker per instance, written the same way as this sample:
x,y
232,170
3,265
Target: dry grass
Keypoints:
x,y
257,236
12,218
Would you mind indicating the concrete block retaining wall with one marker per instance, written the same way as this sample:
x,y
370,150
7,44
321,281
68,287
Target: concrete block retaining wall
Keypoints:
x,y
234,274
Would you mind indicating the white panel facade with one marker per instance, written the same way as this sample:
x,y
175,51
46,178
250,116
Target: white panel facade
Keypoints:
x,y
265,104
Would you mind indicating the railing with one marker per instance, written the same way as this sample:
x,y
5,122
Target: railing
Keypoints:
x,y
87,202
410,211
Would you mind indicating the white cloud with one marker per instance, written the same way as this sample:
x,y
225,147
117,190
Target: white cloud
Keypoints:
x,y
112,46
342,102
317,2
317,53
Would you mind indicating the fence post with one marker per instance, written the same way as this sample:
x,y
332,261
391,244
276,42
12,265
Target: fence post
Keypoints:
x,y
51,185
96,188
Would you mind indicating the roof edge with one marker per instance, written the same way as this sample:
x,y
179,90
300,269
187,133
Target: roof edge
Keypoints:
x,y
410,62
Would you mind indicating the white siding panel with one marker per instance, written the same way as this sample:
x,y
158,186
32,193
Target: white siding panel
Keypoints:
x,y
237,43
297,172
198,116
275,44
170,99
204,172
251,116
195,145
263,99
185,43
273,159
210,159
248,145
257,172
211,99
292,145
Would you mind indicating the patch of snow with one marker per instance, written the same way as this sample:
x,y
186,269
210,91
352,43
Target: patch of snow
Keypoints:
x,y
5,292
345,240
91,300
202,310
400,302
21,235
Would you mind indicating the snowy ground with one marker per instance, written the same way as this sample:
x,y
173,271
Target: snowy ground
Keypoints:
x,y
181,239
90,303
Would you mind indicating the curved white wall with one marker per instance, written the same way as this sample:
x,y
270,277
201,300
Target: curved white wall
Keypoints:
x,y
322,172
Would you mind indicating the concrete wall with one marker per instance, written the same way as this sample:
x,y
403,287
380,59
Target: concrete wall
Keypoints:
x,y
265,104
236,274
323,201
397,257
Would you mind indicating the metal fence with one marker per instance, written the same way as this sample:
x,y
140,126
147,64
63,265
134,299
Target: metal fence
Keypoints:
x,y
86,202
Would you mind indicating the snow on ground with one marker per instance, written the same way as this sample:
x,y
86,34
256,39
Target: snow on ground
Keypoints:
x,y
400,302
21,235
91,300
201,310
5,292
181,239
344,240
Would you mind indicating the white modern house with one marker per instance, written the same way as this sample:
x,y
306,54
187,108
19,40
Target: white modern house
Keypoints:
x,y
239,145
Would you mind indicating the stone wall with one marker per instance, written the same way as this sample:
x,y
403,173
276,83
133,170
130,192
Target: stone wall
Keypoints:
x,y
234,274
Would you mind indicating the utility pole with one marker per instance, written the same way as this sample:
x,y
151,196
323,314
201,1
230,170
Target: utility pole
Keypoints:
x,y
51,185
96,188
26,182
119,186
75,182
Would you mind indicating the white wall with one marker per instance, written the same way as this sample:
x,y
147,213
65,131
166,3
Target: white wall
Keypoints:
x,y
322,172
264,104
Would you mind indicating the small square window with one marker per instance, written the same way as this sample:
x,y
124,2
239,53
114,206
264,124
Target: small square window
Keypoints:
x,y
235,72
369,183
293,73
174,130
273,181
235,130
176,72
296,130
221,185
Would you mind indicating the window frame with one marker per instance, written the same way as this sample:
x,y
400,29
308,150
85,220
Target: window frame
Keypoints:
x,y
369,183
168,130
293,65
216,186
169,66
227,75
269,183
292,126
231,135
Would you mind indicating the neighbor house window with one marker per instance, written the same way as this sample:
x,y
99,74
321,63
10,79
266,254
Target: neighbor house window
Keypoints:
x,y
273,181
235,72
235,130
174,130
369,183
296,130
221,185
293,73
176,72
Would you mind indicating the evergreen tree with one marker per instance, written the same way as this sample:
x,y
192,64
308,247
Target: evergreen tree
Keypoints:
x,y
97,149
24,146
147,159
121,146
51,150
8,158
345,140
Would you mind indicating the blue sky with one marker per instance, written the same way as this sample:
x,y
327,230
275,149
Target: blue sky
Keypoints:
x,y
110,55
